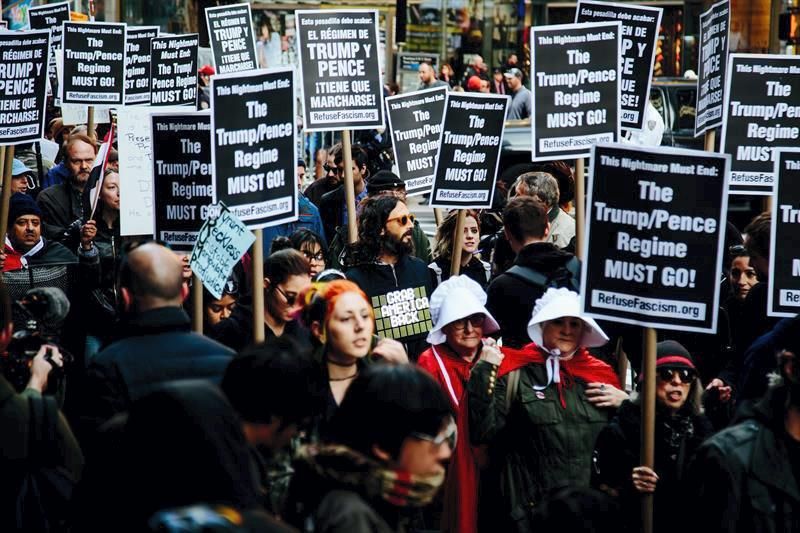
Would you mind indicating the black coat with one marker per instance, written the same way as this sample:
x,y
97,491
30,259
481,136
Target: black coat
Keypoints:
x,y
236,331
510,299
617,452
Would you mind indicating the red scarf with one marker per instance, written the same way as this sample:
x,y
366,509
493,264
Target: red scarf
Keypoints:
x,y
461,491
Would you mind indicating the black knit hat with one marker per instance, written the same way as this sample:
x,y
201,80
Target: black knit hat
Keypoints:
x,y
384,180
21,204
671,354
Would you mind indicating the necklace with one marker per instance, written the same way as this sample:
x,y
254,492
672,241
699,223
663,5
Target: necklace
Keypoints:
x,y
345,378
342,365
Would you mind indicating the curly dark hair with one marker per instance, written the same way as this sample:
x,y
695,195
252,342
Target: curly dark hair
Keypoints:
x,y
375,212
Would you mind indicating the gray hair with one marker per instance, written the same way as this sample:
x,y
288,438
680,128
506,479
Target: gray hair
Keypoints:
x,y
538,184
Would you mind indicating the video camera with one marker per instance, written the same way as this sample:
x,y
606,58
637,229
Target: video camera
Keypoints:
x,y
44,309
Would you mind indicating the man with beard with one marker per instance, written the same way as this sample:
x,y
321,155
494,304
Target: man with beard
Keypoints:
x,y
382,265
746,477
67,202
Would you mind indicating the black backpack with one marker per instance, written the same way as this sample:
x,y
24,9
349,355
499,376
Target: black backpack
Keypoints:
x,y
568,276
45,486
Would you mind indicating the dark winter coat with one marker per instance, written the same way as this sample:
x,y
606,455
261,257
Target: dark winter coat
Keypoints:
x,y
617,452
476,270
62,205
236,331
510,299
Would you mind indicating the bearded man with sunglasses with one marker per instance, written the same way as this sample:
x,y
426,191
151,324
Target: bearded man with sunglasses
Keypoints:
x,y
382,264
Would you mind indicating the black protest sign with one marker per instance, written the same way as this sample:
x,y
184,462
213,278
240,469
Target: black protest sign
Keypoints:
x,y
408,69
173,70
137,64
711,63
230,32
50,17
342,87
415,121
784,261
469,152
575,74
94,63
254,145
181,177
23,85
655,235
402,314
762,112
640,26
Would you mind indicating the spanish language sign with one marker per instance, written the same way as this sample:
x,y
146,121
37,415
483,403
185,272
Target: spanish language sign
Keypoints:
x,y
711,63
402,314
575,73
23,85
342,87
640,26
94,63
762,112
137,64
50,17
655,234
469,152
222,241
408,69
181,177
173,70
253,147
415,120
784,259
230,32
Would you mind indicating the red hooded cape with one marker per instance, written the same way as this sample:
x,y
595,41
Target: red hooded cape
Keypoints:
x,y
461,490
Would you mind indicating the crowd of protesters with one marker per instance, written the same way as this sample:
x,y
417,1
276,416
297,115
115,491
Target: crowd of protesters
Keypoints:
x,y
504,409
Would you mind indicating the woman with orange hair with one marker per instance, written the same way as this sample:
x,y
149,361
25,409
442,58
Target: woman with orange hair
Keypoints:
x,y
342,324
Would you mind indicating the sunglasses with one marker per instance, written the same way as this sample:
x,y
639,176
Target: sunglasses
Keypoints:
x,y
289,299
329,168
684,374
449,436
475,320
403,219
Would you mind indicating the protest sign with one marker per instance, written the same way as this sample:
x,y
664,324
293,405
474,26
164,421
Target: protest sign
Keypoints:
x,y
75,114
640,26
762,112
469,152
136,164
173,70
415,121
23,85
221,243
341,76
254,145
575,73
784,260
137,64
50,17
230,34
402,314
408,69
181,177
94,63
711,62
655,235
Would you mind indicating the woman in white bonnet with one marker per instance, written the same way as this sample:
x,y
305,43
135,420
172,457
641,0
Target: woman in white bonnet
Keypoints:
x,y
540,409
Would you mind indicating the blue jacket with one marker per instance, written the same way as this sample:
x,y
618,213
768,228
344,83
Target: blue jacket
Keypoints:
x,y
308,218
55,176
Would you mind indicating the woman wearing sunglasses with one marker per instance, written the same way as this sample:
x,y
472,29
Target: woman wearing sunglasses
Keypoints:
x,y
680,429
460,326
539,409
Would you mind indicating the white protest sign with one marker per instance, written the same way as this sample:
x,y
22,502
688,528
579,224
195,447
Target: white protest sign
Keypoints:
x,y
221,243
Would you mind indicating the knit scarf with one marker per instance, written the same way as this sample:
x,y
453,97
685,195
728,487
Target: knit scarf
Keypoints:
x,y
17,260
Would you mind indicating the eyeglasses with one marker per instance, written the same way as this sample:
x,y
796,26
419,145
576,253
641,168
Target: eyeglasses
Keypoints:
x,y
290,299
403,219
450,436
476,320
684,374
319,256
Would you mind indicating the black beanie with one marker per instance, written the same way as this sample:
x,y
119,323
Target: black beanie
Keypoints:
x,y
21,204
384,180
672,354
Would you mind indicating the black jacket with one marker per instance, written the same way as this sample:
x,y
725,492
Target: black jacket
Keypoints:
x,y
510,299
744,479
476,270
617,452
156,346
61,206
331,207
236,331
